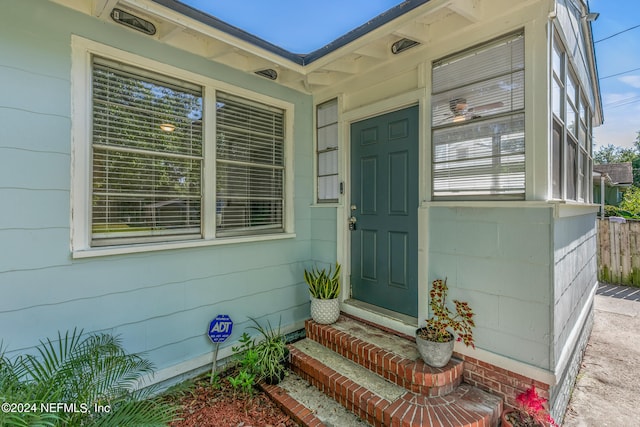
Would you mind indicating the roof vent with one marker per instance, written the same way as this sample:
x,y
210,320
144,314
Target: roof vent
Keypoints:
x,y
402,45
132,21
269,73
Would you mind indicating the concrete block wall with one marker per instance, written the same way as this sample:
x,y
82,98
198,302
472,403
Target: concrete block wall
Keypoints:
x,y
499,261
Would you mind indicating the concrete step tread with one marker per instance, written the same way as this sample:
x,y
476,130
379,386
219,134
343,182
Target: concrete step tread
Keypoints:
x,y
356,390
387,341
351,370
309,406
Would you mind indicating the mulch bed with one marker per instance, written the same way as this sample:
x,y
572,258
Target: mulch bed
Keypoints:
x,y
202,405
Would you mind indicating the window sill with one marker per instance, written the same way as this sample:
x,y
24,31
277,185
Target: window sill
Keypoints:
x,y
561,208
153,247
485,204
567,208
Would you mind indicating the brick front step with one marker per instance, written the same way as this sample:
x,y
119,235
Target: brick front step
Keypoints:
x,y
390,356
382,403
308,406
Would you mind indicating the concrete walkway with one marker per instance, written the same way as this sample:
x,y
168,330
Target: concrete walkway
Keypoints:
x,y
607,391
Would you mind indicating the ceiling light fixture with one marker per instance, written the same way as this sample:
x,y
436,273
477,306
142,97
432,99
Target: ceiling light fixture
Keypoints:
x,y
167,127
268,73
402,45
132,21
590,17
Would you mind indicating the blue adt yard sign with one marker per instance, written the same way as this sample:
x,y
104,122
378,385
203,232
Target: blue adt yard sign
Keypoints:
x,y
220,328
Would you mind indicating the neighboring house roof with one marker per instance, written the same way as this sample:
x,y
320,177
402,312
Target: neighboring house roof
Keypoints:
x,y
619,173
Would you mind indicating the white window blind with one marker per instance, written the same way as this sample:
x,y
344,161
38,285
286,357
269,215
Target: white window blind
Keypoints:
x,y
249,166
478,122
146,156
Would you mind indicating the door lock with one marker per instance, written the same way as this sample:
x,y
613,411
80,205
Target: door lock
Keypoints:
x,y
352,223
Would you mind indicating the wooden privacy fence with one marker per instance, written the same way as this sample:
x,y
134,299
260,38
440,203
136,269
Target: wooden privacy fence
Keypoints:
x,y
619,252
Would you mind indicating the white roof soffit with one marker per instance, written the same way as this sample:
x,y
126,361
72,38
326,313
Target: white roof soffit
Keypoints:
x,y
361,49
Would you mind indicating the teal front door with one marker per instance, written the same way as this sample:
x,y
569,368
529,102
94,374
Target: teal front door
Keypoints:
x,y
384,205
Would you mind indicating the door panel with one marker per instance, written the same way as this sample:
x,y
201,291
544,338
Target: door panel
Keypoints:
x,y
384,189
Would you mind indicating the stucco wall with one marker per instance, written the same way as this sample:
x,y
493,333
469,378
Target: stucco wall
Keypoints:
x,y
159,302
498,260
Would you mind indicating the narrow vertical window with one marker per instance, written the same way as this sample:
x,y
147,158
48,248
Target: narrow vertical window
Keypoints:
x,y
571,149
327,152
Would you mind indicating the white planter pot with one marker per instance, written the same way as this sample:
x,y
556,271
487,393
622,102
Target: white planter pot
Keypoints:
x,y
436,354
325,311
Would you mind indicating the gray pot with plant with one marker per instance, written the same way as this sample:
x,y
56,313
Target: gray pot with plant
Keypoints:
x,y
435,340
324,287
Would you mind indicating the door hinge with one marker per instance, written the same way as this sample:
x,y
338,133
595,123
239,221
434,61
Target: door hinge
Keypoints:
x,y
342,187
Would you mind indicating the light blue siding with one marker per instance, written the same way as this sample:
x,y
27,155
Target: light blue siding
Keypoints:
x,y
499,260
159,302
324,235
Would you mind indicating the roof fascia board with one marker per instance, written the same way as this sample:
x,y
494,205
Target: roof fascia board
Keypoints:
x,y
179,16
364,29
254,41
593,64
236,32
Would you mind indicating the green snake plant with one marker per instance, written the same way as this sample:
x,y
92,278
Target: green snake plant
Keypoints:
x,y
323,284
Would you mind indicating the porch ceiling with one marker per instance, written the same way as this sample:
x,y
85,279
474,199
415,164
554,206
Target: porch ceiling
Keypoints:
x,y
360,50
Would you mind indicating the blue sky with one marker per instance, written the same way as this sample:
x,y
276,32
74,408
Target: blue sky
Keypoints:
x,y
302,26
299,26
619,54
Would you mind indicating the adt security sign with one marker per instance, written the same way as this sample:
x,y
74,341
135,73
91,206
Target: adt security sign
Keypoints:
x,y
220,328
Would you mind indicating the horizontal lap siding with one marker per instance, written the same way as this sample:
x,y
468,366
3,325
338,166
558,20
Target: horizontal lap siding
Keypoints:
x,y
158,302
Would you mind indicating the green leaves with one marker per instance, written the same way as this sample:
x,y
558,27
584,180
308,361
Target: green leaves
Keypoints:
x,y
83,371
324,284
443,319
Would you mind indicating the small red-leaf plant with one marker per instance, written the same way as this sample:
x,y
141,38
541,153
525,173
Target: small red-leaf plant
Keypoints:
x,y
442,319
531,411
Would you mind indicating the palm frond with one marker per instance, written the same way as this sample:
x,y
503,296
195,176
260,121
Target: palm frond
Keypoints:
x,y
83,369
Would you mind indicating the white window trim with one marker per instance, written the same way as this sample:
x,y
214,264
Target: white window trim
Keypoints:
x,y
556,38
81,51
340,147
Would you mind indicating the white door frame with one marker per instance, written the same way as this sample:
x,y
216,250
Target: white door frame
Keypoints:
x,y
395,321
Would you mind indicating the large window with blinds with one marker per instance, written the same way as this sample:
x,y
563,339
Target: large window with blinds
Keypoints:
x,y
477,100
147,156
249,166
148,181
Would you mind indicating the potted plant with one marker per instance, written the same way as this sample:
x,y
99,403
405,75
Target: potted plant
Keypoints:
x,y
324,287
530,413
435,340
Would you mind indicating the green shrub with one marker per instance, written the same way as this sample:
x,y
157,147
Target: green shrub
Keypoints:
x,y
81,371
